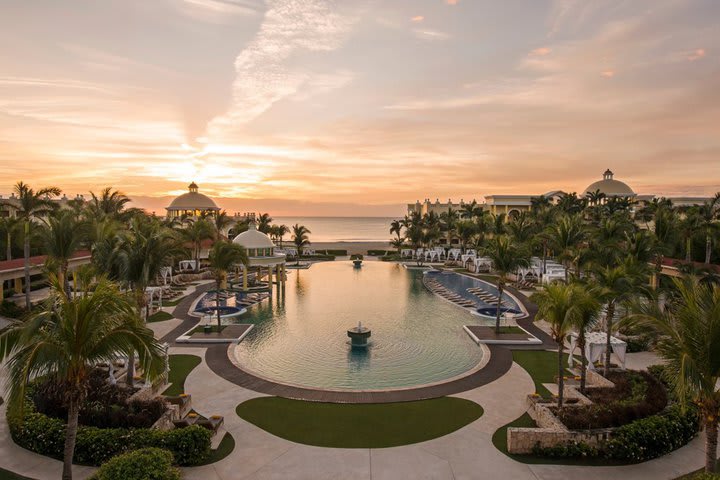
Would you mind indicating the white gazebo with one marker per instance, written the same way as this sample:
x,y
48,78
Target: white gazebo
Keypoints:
x,y
595,344
262,254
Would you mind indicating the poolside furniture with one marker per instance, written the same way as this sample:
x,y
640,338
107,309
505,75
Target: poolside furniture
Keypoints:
x,y
454,254
185,265
595,344
406,253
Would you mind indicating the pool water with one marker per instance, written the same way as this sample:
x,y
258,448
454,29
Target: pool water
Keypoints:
x,y
300,337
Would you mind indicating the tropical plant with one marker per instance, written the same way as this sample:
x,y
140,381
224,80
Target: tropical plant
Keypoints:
x,y
223,256
565,237
67,339
221,221
63,236
264,220
506,258
557,305
300,237
109,204
587,315
689,341
396,227
195,231
615,285
9,226
32,205
466,230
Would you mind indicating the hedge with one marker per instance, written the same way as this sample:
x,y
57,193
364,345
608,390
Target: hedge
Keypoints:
x,y
142,464
654,436
638,441
46,436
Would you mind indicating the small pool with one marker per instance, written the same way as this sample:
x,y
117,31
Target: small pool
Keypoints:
x,y
460,284
225,311
300,337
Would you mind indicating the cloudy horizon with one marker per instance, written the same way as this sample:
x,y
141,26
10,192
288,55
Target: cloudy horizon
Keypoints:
x,y
340,107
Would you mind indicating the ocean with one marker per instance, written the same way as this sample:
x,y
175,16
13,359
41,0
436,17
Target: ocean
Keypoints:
x,y
342,229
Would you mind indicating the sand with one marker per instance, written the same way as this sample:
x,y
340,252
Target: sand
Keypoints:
x,y
351,247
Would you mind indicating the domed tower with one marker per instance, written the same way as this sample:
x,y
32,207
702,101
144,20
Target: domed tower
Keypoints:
x,y
610,187
193,204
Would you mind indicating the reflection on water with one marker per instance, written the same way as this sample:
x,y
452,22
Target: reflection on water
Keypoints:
x,y
300,336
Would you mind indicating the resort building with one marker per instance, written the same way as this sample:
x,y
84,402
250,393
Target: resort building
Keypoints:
x,y
192,204
261,256
514,204
10,206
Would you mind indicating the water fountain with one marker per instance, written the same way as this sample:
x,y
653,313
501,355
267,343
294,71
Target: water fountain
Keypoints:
x,y
359,336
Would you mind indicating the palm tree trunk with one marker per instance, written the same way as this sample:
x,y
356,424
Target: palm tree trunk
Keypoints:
x,y
497,313
217,301
583,362
708,248
688,249
561,377
70,435
8,251
26,264
544,259
608,347
711,441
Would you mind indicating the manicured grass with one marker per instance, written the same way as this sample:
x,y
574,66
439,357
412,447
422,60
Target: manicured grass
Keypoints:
x,y
499,438
541,365
359,425
225,448
213,329
159,316
8,475
512,329
173,303
180,368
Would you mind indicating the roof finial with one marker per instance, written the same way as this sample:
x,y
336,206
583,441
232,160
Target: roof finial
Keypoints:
x,y
608,175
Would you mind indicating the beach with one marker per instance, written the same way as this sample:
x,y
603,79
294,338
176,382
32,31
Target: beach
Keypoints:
x,y
351,247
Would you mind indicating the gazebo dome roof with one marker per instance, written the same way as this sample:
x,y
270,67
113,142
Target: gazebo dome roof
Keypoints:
x,y
610,187
253,238
193,200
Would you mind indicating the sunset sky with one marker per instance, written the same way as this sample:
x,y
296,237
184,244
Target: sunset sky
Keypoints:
x,y
358,106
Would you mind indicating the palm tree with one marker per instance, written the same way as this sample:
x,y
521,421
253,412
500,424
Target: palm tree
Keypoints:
x,y
67,339
396,227
221,221
62,237
521,228
565,237
615,285
689,329
263,222
9,226
195,232
471,210
506,259
110,203
709,213
556,305
448,223
300,238
141,252
689,227
33,204
466,230
282,230
223,256
587,315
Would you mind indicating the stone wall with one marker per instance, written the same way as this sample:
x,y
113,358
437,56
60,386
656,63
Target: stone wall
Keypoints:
x,y
523,440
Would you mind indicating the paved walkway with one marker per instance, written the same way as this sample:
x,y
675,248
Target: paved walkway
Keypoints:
x,y
465,454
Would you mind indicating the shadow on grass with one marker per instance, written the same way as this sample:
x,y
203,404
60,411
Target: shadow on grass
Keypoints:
x,y
377,425
180,368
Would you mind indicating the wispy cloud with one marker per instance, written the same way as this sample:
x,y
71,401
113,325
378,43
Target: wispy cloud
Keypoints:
x,y
427,34
262,75
417,18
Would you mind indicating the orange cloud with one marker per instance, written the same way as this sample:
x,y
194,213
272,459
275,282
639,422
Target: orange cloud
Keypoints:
x,y
417,19
539,52
696,55
608,73
452,2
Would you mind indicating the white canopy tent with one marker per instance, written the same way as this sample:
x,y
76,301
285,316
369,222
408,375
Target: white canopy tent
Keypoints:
x,y
595,343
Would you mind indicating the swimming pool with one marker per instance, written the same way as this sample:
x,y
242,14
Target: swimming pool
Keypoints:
x,y
300,338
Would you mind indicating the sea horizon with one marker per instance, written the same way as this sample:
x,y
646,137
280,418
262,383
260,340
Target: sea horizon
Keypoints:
x,y
341,229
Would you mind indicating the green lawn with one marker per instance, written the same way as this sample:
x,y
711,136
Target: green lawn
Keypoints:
x,y
213,329
173,303
541,365
359,425
8,475
227,445
512,329
180,368
159,316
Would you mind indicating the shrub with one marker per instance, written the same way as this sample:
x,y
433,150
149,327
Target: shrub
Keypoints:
x,y
11,309
566,450
143,464
45,435
635,395
106,406
378,253
653,436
